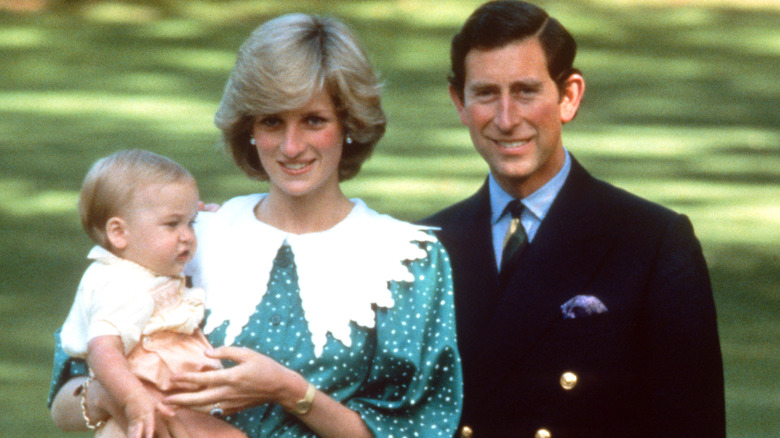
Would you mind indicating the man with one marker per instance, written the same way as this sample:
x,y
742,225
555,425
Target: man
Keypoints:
x,y
598,319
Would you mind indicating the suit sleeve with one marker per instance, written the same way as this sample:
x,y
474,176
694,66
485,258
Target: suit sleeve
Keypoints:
x,y
683,365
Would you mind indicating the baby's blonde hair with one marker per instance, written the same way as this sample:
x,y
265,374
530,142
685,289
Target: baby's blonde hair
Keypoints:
x,y
112,181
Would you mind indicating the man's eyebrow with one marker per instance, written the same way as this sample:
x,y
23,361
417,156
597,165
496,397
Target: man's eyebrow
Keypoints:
x,y
523,84
533,84
482,86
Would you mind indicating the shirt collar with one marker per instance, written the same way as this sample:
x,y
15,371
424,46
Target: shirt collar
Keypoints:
x,y
537,203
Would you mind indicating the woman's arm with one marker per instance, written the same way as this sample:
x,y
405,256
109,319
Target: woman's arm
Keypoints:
x,y
66,407
256,380
66,410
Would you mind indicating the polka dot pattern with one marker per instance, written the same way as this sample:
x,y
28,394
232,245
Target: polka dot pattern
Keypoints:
x,y
403,377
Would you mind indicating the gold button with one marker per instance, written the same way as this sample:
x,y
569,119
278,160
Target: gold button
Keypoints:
x,y
568,380
543,433
466,432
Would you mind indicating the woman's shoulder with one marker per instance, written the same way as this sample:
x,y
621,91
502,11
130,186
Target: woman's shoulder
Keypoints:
x,y
231,211
366,220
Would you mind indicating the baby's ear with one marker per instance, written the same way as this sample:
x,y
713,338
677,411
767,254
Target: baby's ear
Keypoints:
x,y
116,232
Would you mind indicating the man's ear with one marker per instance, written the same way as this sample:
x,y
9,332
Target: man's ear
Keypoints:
x,y
571,96
457,99
116,233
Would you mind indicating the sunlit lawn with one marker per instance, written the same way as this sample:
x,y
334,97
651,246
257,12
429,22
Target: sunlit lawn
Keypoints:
x,y
681,107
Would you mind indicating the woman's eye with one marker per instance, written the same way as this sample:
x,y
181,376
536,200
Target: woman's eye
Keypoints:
x,y
270,122
315,120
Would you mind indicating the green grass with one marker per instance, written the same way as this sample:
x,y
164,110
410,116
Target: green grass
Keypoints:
x,y
681,107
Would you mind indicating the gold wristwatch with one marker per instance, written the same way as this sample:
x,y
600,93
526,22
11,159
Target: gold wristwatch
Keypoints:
x,y
303,406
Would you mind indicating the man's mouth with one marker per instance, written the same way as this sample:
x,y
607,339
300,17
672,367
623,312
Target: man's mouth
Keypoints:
x,y
511,144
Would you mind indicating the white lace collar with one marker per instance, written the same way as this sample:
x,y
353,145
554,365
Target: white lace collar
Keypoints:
x,y
343,272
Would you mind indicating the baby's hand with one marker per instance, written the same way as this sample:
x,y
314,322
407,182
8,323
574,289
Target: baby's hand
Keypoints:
x,y
141,409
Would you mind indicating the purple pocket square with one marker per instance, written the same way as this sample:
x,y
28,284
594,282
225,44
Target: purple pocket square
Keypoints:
x,y
582,305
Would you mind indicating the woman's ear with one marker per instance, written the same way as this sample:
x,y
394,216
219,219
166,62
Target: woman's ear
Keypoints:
x,y
116,232
571,96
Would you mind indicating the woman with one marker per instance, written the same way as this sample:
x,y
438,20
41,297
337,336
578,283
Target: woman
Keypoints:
x,y
339,320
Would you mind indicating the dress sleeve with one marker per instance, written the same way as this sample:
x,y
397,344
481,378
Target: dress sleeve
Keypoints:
x,y
65,368
415,384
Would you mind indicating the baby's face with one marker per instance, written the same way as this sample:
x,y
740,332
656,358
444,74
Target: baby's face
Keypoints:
x,y
159,229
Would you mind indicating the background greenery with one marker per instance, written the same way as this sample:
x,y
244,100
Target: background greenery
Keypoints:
x,y
681,108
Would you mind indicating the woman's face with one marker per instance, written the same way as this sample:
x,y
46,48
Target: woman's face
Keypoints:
x,y
301,149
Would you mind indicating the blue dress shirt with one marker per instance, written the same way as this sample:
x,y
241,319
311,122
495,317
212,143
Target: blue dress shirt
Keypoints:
x,y
536,206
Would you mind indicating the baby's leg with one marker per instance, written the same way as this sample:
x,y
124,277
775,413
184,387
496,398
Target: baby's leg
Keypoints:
x,y
202,425
110,430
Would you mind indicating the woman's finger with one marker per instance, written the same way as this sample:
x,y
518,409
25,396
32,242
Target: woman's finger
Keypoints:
x,y
236,354
200,378
200,398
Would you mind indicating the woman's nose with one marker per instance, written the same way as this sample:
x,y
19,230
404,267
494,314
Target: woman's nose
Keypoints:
x,y
292,143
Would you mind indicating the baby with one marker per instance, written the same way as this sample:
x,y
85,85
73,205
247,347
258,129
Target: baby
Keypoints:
x,y
133,319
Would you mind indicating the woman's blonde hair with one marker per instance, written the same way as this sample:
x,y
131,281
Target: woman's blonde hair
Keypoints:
x,y
282,64
112,181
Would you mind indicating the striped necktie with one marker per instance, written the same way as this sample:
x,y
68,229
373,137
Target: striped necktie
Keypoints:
x,y
515,239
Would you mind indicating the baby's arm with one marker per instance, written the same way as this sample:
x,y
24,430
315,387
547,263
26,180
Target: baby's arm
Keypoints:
x,y
106,359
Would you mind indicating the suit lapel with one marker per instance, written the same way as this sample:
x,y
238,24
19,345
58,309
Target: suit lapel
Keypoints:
x,y
556,266
468,239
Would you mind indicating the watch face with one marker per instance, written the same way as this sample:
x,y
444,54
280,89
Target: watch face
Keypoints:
x,y
302,407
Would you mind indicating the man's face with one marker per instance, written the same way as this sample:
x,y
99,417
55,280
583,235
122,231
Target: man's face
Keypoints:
x,y
515,111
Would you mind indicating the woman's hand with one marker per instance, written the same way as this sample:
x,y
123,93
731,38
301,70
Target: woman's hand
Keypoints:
x,y
254,380
258,379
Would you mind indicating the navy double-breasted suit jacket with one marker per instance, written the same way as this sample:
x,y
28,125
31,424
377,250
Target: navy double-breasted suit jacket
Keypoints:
x,y
649,366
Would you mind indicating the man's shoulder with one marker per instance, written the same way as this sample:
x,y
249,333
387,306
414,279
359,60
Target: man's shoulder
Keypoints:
x,y
463,210
616,200
449,214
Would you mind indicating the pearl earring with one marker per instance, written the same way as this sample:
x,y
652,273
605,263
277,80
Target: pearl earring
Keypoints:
x,y
348,139
252,141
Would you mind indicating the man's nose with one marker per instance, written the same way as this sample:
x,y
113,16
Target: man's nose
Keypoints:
x,y
507,114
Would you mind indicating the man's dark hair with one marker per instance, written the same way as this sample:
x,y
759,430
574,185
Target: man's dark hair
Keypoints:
x,y
498,23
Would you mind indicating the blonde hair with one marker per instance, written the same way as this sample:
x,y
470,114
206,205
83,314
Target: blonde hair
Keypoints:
x,y
112,181
282,64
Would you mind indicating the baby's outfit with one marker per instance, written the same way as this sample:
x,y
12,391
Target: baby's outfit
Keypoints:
x,y
157,317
